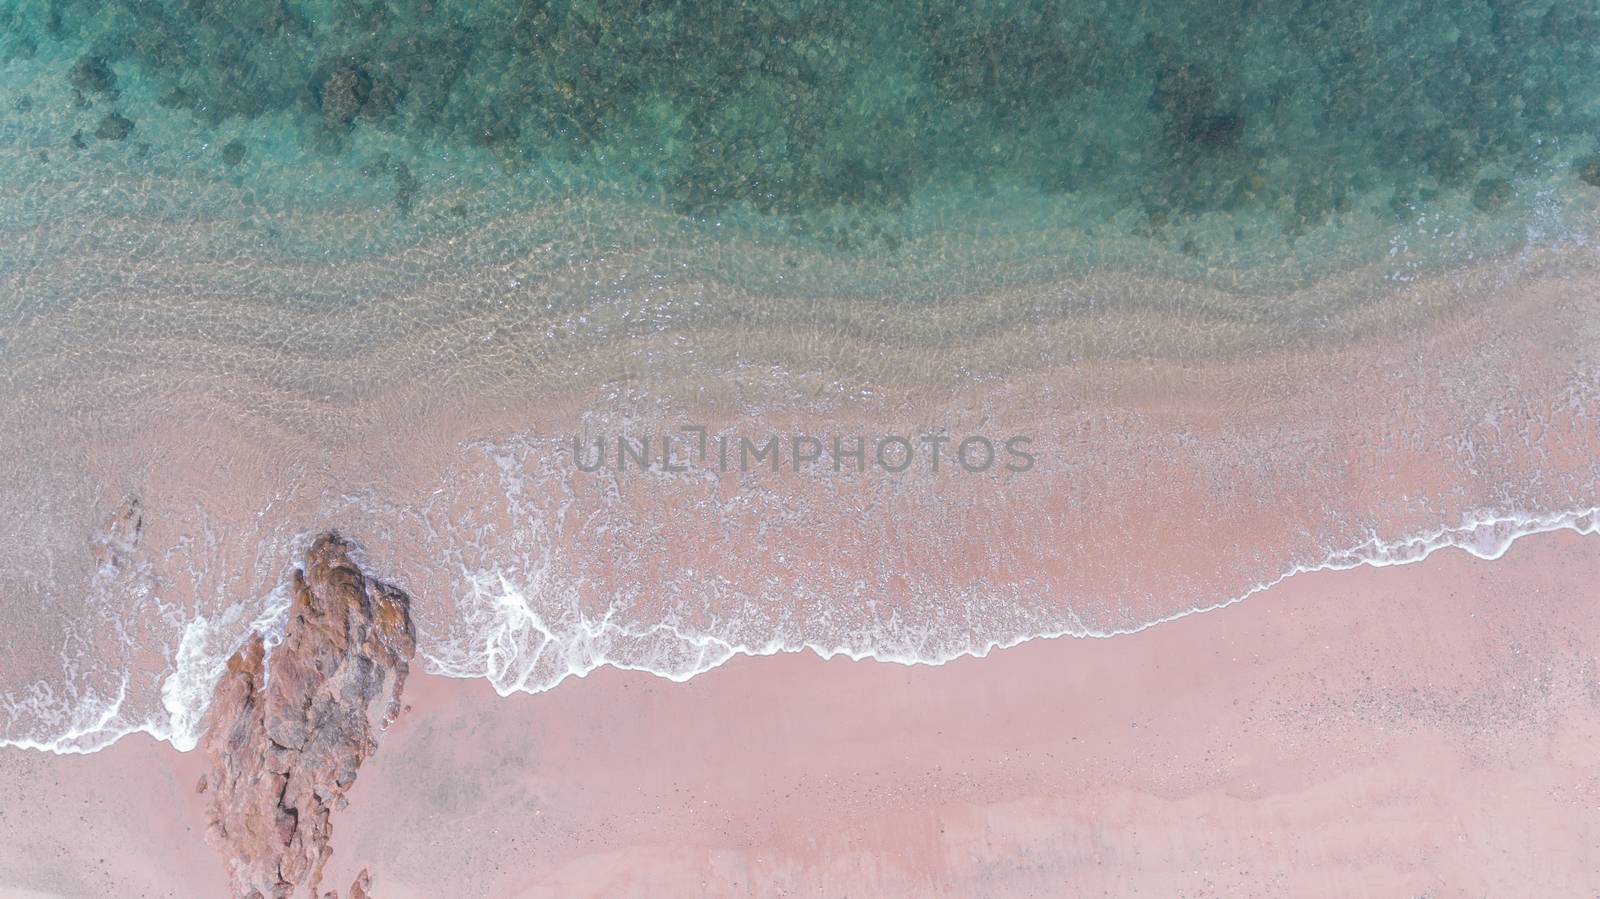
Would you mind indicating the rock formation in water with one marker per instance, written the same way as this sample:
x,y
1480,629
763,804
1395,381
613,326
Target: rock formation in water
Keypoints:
x,y
289,728
117,540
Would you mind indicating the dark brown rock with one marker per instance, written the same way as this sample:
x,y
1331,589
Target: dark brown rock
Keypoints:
x,y
285,748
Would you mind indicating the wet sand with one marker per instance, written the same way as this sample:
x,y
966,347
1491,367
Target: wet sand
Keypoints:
x,y
1424,729
1420,730
1214,445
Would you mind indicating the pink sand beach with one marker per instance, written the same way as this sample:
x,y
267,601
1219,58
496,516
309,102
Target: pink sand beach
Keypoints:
x,y
1418,730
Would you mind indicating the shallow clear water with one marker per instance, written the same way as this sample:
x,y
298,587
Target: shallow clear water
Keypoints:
x,y
1205,135
272,268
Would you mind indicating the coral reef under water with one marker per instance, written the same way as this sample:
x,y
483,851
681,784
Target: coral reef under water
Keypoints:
x,y
812,111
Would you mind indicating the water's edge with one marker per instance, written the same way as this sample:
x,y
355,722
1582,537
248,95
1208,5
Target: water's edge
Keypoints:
x,y
187,690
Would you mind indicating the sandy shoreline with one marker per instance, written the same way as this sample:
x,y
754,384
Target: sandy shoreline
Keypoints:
x,y
1424,729
433,432
1277,305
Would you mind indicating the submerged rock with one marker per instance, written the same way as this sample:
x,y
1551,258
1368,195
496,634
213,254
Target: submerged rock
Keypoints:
x,y
1589,170
285,749
344,92
115,543
114,127
350,91
405,188
92,75
1492,194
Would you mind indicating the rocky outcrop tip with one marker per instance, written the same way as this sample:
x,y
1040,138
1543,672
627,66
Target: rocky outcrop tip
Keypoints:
x,y
289,729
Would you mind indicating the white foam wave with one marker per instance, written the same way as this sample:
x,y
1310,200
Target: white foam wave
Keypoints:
x,y
95,721
519,649
91,717
201,659
522,651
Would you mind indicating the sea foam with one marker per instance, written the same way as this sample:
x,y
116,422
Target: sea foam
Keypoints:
x,y
519,650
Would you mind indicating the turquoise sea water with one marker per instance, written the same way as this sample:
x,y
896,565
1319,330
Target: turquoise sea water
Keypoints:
x,y
1284,135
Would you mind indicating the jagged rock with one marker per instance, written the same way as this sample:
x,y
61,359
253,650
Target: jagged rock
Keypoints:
x,y
285,748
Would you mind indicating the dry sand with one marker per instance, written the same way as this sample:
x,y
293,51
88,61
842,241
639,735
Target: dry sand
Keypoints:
x,y
1408,731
